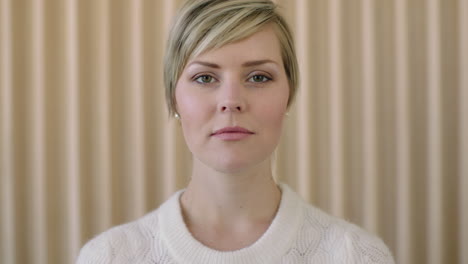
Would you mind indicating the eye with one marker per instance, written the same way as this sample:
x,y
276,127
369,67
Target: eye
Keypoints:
x,y
259,78
204,79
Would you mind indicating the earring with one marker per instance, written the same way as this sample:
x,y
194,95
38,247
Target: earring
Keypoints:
x,y
287,114
177,116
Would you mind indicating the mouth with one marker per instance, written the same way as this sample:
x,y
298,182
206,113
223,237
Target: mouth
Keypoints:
x,y
232,133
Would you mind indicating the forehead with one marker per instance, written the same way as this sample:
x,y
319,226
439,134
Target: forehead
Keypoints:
x,y
263,44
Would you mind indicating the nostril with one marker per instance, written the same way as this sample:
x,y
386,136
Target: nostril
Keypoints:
x,y
225,108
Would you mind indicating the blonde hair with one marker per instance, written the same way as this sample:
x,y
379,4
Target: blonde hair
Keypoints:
x,y
202,25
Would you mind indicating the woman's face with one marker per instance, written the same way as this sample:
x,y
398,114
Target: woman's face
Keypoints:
x,y
232,102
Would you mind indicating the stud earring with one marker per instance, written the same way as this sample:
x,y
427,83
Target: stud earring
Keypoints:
x,y
287,114
177,116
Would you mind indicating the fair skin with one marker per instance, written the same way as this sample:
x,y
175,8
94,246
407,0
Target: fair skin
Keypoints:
x,y
232,198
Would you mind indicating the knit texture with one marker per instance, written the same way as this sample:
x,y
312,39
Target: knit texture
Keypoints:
x,y
299,233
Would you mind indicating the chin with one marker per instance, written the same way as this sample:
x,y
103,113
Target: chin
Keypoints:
x,y
230,169
230,166
236,165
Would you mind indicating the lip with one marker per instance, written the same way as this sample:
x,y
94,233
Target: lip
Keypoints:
x,y
232,133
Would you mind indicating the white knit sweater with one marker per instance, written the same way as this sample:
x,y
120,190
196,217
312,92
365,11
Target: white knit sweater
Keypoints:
x,y
299,233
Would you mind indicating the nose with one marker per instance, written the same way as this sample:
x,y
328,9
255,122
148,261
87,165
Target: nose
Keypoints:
x,y
232,98
231,106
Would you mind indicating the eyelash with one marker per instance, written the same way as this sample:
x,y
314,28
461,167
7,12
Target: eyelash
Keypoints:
x,y
198,78
264,78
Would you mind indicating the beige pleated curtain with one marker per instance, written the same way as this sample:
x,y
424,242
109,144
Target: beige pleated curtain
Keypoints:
x,y
378,134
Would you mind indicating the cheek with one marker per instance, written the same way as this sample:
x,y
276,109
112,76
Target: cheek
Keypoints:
x,y
275,118
194,112
189,104
183,101
273,114
185,105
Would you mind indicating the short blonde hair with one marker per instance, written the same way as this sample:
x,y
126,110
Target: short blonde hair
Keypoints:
x,y
202,25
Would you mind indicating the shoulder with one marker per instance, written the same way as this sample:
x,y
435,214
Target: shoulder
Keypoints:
x,y
343,240
131,241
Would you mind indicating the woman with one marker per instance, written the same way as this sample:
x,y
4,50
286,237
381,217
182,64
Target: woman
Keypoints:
x,y
230,76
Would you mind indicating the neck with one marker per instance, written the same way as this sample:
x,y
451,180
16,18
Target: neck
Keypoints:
x,y
230,200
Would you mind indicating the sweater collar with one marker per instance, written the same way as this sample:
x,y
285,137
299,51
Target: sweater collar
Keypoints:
x,y
269,248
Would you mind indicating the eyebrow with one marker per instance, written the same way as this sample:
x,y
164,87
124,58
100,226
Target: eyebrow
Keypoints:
x,y
257,62
208,64
245,64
